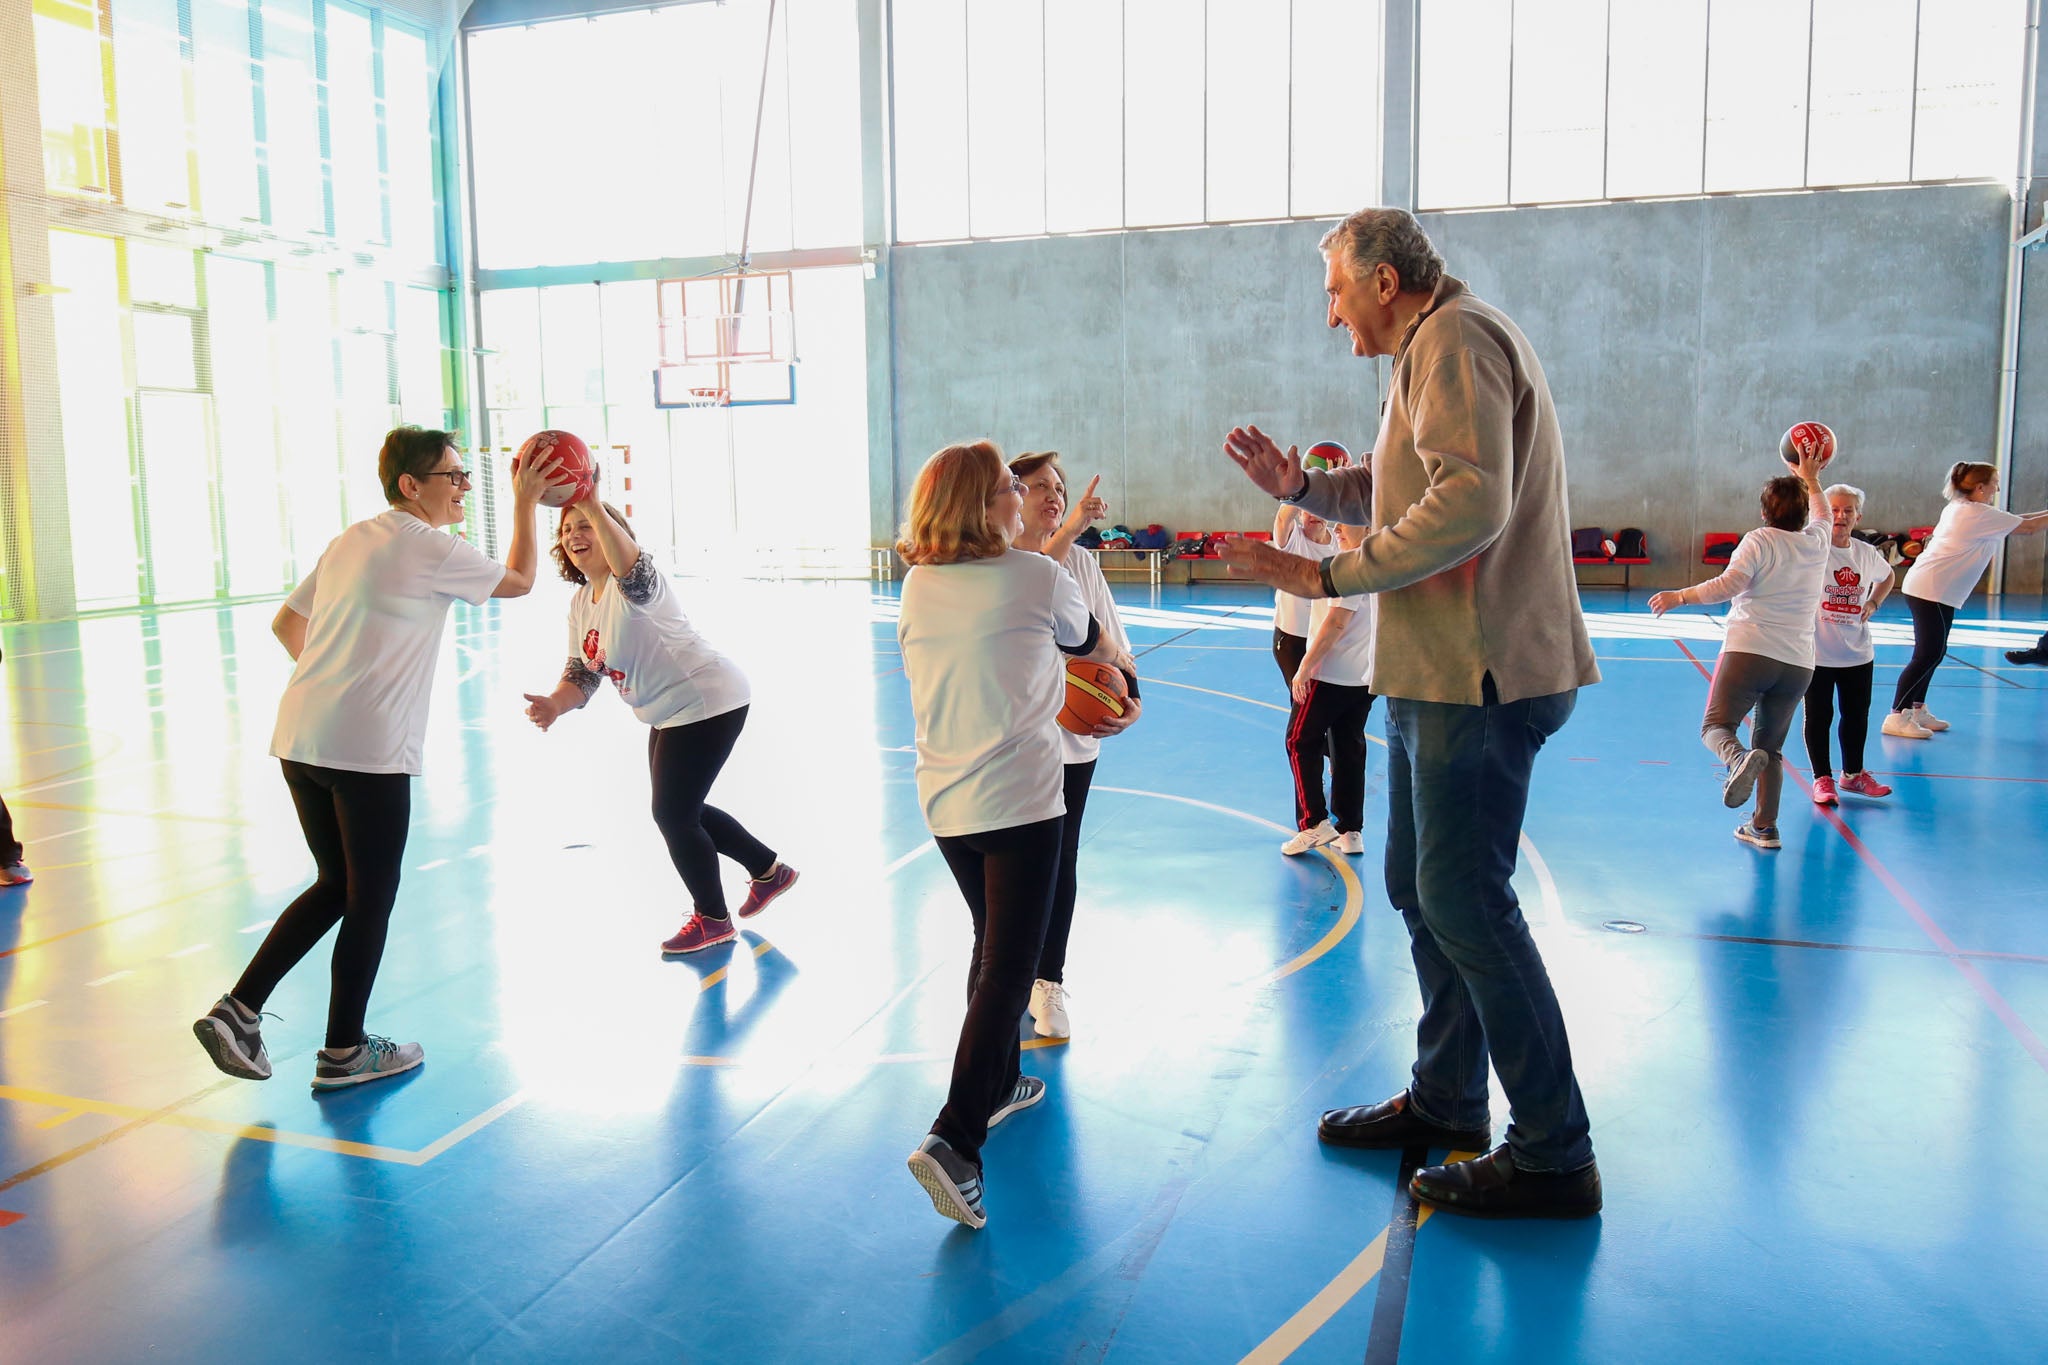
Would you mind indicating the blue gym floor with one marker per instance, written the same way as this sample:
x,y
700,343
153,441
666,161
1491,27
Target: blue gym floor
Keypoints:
x,y
1816,1077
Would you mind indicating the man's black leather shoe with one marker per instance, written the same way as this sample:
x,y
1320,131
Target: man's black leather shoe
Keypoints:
x,y
2025,656
1389,1126
1492,1186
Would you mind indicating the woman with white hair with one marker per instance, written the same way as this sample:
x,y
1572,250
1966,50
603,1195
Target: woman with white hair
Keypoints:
x,y
1855,580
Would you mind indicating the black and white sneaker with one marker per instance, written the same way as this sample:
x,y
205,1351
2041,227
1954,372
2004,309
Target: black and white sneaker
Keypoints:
x,y
1030,1090
233,1038
373,1059
950,1179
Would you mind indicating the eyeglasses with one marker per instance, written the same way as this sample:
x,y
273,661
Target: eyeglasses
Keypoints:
x,y
1017,486
458,477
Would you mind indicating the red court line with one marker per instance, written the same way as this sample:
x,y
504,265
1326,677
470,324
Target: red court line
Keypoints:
x,y
8,1216
2014,1025
1967,777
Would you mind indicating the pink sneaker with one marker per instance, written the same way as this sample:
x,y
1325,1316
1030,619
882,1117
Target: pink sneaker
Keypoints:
x,y
1824,792
762,890
1863,784
699,933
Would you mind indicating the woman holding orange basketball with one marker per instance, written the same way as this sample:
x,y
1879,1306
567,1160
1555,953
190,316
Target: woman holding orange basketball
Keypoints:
x,y
626,625
364,630
1048,529
983,626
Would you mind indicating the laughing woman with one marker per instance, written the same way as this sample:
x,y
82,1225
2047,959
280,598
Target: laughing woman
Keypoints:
x,y
625,624
365,629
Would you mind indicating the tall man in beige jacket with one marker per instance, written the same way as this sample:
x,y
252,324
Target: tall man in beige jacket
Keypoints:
x,y
1480,654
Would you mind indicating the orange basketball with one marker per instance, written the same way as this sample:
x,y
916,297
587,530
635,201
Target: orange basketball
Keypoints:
x,y
1801,433
1095,693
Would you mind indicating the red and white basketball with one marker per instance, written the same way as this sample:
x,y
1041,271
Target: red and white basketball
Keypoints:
x,y
1807,433
577,475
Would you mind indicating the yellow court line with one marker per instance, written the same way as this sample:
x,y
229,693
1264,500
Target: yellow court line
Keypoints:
x,y
1317,1312
129,914
136,814
60,1119
261,1132
719,975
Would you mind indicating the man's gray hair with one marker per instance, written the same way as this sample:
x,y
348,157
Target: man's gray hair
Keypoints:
x,y
1372,237
1847,490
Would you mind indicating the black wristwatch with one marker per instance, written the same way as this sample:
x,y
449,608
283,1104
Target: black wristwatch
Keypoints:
x,y
1298,494
1323,572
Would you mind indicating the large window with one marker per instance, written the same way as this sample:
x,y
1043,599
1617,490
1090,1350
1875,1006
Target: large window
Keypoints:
x,y
1019,117
1549,101
651,152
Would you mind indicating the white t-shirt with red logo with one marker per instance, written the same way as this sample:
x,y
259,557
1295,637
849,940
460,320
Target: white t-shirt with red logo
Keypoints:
x,y
636,635
1852,575
1086,571
374,607
1958,552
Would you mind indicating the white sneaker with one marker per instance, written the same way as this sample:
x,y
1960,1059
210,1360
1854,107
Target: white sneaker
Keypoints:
x,y
1351,842
1899,725
1049,1010
1325,833
373,1059
1925,719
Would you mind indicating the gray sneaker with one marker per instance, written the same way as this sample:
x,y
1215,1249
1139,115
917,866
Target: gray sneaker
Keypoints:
x,y
233,1037
951,1181
374,1059
1742,776
1030,1090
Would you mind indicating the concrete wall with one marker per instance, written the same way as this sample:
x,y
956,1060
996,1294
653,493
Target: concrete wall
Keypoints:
x,y
1680,339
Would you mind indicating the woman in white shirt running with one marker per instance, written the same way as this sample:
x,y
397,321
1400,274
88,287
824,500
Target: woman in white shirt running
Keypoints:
x,y
983,627
1048,529
626,625
1941,580
1854,581
1772,587
365,629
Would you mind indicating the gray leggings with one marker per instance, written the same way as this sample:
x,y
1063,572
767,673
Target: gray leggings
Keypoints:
x,y
1772,688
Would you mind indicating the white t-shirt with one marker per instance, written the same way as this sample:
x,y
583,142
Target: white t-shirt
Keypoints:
x,y
637,635
374,607
1291,613
1773,613
1852,575
1087,575
1349,663
986,681
1958,552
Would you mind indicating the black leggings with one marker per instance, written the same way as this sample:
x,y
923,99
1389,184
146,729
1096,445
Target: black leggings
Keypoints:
x,y
684,760
1287,652
10,847
1853,683
1332,718
1052,958
355,825
1931,622
1006,876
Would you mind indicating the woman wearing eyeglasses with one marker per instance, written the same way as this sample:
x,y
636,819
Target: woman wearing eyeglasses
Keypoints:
x,y
626,624
365,629
983,626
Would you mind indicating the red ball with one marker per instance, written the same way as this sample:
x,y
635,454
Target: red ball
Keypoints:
x,y
1326,455
1095,693
577,475
1807,432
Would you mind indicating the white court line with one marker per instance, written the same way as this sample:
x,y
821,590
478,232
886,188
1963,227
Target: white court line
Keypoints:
x,y
110,976
907,859
429,867
258,927
477,851
23,1008
195,948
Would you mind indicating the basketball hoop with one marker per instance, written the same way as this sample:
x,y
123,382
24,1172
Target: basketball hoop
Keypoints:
x,y
710,398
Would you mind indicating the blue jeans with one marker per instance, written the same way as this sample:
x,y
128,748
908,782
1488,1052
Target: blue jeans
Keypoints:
x,y
1457,786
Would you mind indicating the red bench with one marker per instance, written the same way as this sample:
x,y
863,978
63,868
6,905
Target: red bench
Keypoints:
x,y
1627,562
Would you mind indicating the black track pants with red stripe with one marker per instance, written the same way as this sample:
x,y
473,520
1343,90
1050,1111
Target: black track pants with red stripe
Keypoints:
x,y
1331,720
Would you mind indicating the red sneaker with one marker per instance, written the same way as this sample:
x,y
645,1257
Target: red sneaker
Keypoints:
x,y
1863,784
1824,792
699,933
762,890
